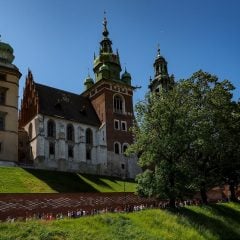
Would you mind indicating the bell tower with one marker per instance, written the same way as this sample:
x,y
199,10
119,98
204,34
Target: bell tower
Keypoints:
x,y
161,78
9,78
111,95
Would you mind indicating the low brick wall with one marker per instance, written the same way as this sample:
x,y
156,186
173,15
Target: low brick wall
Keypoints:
x,y
24,205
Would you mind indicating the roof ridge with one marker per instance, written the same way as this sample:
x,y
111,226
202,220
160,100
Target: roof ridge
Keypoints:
x,y
58,89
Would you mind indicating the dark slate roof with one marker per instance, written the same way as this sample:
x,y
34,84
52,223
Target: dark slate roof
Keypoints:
x,y
62,104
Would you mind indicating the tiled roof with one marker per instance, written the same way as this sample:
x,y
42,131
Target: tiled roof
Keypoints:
x,y
58,103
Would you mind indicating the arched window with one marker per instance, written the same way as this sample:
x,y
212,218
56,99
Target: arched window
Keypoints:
x,y
89,136
124,148
30,131
70,151
51,128
118,104
117,147
70,132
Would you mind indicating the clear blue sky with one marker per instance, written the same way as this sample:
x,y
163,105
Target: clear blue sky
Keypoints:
x,y
56,39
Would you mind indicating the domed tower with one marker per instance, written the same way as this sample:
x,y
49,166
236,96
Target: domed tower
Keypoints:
x,y
107,59
111,96
9,78
161,78
88,82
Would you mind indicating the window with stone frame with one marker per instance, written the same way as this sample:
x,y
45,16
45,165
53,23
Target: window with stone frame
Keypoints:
x,y
116,124
124,148
30,131
117,147
89,136
51,129
124,125
88,154
118,104
3,93
2,121
3,77
51,148
70,151
70,132
1,147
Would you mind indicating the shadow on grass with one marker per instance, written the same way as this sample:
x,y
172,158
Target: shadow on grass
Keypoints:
x,y
219,228
97,180
226,211
62,182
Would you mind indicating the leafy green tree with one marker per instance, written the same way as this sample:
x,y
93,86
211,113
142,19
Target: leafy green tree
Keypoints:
x,y
186,138
212,107
163,136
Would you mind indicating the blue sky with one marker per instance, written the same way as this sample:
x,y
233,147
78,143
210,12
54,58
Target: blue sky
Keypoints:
x,y
57,39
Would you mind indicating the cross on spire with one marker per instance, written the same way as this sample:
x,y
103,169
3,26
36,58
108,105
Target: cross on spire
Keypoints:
x,y
158,50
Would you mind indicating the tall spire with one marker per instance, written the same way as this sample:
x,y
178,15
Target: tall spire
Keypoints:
x,y
158,50
107,64
105,31
106,43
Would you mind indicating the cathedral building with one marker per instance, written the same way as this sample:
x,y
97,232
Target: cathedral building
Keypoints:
x,y
88,133
9,78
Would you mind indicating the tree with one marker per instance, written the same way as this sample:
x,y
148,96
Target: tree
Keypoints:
x,y
213,108
184,137
163,136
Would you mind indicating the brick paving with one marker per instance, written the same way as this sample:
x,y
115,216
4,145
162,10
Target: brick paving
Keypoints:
x,y
24,205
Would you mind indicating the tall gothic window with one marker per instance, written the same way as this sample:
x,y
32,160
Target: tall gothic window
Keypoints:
x,y
70,151
30,131
124,148
51,128
70,132
51,148
89,136
89,143
118,104
88,154
117,148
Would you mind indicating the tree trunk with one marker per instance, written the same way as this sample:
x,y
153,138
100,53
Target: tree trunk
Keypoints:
x,y
172,193
233,197
203,194
172,202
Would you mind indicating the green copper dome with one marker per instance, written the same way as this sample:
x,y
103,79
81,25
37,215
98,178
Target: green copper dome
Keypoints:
x,y
88,80
126,75
6,53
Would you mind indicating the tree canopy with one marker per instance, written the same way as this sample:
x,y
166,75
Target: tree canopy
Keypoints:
x,y
187,138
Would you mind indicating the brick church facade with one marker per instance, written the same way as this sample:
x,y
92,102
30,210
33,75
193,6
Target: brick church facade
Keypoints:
x,y
89,132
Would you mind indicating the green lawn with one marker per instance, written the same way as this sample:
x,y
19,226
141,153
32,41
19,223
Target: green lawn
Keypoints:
x,y
215,222
19,180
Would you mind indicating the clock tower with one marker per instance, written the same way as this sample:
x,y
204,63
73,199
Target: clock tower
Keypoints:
x,y
111,95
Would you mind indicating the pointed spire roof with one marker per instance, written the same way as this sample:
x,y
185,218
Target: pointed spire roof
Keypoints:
x,y
105,30
106,43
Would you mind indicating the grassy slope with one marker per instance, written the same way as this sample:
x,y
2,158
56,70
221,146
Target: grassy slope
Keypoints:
x,y
18,180
220,221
